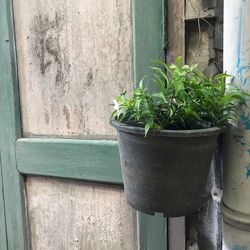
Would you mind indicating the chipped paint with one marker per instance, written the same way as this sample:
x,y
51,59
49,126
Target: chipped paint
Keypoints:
x,y
237,247
237,157
245,149
248,171
242,63
245,120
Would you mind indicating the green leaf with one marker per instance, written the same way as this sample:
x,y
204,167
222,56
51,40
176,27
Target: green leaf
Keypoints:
x,y
161,96
141,83
149,124
183,99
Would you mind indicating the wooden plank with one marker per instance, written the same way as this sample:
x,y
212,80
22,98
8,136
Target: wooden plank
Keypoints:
x,y
71,215
3,236
177,233
176,47
9,131
92,160
175,30
152,232
72,64
149,38
148,34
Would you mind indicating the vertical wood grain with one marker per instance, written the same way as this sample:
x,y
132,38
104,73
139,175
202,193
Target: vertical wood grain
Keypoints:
x,y
74,57
81,216
9,132
176,47
175,29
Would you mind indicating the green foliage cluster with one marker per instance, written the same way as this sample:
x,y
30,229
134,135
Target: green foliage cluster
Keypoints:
x,y
184,99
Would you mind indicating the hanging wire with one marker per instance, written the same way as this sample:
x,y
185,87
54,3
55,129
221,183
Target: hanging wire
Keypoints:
x,y
199,34
203,19
179,29
163,50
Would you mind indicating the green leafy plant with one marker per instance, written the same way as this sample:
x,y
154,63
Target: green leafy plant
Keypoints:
x,y
184,99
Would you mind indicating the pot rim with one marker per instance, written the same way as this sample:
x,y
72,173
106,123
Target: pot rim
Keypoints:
x,y
169,133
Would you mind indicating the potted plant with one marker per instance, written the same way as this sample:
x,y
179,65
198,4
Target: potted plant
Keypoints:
x,y
167,137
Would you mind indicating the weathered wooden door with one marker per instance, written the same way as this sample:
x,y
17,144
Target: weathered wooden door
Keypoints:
x,y
61,64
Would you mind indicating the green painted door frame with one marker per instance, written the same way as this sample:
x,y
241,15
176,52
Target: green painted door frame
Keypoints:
x,y
3,235
38,156
10,130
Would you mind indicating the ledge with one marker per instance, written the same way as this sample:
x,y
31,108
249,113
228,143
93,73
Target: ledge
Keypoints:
x,y
235,219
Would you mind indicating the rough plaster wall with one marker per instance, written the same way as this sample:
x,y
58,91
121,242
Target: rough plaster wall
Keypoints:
x,y
198,51
67,215
204,227
209,54
205,8
74,56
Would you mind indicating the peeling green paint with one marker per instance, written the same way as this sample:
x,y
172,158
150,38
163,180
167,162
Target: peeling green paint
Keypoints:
x,y
237,247
245,120
248,171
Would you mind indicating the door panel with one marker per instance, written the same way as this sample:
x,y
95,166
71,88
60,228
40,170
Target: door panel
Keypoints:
x,y
79,215
73,58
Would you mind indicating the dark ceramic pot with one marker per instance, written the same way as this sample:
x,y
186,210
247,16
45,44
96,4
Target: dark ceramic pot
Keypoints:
x,y
166,171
